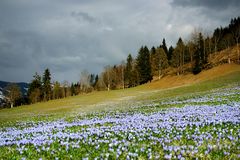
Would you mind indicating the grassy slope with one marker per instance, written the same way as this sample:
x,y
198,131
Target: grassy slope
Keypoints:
x,y
189,79
166,87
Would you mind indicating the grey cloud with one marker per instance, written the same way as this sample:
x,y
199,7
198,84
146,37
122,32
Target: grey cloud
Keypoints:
x,y
212,4
68,36
83,16
15,48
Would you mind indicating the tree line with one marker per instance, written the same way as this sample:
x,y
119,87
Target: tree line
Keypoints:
x,y
186,56
41,88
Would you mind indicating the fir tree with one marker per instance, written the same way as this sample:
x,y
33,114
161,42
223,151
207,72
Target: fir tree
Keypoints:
x,y
95,81
152,59
73,90
197,67
35,89
143,65
178,56
47,85
161,61
199,55
128,72
164,46
170,53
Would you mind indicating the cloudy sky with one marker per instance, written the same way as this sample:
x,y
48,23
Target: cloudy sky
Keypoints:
x,y
68,36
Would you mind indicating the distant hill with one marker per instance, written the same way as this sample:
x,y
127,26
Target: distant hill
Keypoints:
x,y
22,85
1,96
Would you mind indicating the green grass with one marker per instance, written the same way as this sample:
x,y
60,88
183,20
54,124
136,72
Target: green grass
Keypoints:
x,y
133,102
198,88
105,101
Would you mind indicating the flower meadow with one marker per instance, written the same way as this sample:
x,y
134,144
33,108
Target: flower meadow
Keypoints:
x,y
205,126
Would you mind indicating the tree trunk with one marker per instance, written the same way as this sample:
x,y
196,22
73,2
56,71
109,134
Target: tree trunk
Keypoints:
x,y
180,63
159,69
238,52
204,54
229,60
123,83
209,47
11,105
215,45
183,62
159,74
190,54
178,70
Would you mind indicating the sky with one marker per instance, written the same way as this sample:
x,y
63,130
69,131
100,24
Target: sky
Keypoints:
x,y
69,36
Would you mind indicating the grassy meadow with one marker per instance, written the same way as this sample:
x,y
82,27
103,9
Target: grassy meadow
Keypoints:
x,y
197,120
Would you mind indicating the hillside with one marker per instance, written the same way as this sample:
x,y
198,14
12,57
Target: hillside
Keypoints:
x,y
217,66
221,57
137,116
140,115
189,79
173,85
169,86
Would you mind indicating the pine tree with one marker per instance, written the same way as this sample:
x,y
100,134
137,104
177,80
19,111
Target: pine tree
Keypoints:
x,y
92,80
170,53
135,76
161,61
234,27
95,81
73,90
201,48
35,89
47,85
143,65
128,72
152,59
199,55
178,56
164,46
197,67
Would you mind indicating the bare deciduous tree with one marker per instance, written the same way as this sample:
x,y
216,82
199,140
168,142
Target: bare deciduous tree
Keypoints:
x,y
13,93
85,81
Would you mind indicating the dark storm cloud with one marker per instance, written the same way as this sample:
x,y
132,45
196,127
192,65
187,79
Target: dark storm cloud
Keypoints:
x,y
17,48
217,11
69,36
212,4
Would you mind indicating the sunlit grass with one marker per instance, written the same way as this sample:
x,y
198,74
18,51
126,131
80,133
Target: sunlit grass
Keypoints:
x,y
192,121
104,100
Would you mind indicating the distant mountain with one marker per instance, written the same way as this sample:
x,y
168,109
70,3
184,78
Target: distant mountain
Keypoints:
x,y
2,98
22,85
